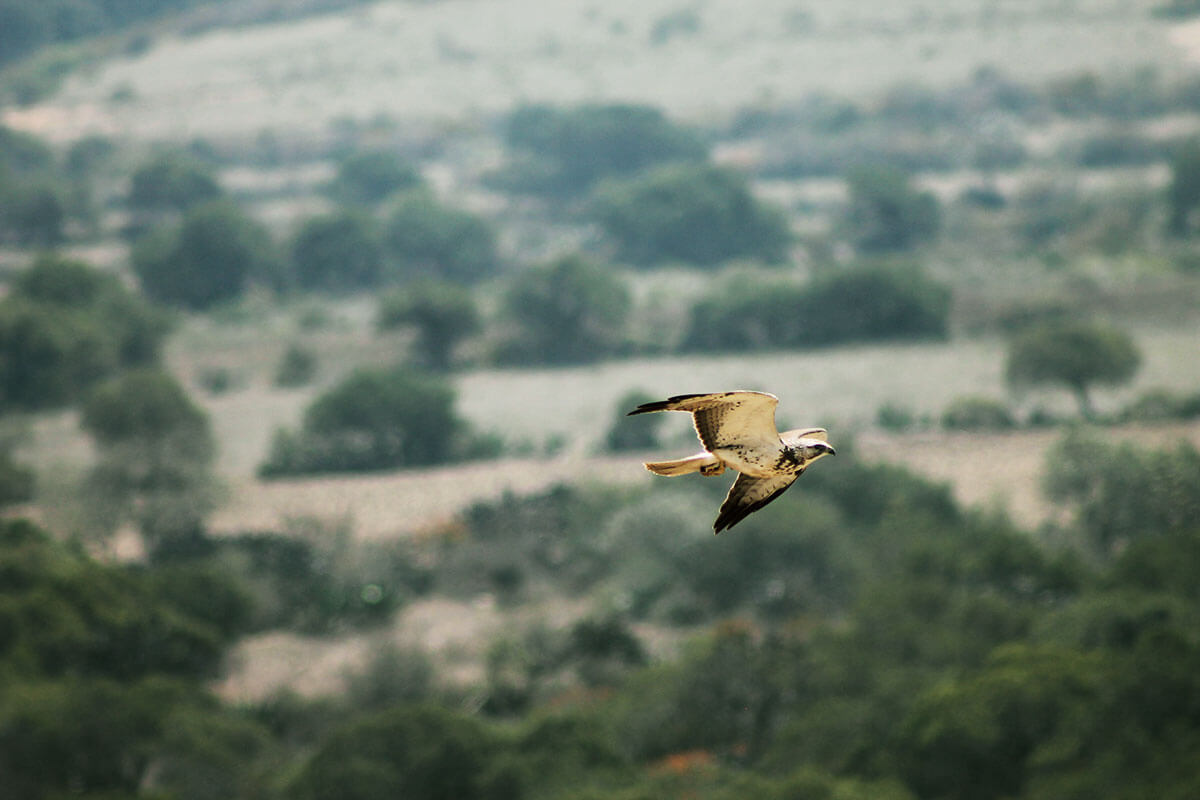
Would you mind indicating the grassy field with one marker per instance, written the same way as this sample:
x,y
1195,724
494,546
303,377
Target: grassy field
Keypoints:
x,y
436,62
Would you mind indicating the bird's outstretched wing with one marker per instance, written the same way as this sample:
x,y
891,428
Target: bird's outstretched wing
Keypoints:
x,y
726,418
748,495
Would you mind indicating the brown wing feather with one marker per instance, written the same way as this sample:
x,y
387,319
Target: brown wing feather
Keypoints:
x,y
725,418
748,495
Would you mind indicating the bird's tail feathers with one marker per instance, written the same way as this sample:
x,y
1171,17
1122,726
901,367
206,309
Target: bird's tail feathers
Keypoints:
x,y
683,466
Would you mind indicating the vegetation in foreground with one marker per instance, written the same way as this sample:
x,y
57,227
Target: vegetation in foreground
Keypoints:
x,y
866,638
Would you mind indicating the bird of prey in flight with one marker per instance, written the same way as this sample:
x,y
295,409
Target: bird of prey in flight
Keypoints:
x,y
738,431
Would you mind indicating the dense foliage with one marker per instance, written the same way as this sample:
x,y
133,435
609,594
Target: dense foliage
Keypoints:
x,y
698,214
570,311
866,303
64,326
210,257
374,419
565,151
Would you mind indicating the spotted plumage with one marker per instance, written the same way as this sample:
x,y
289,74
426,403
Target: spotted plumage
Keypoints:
x,y
738,431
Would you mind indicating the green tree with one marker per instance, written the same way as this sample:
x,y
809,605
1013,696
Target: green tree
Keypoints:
x,y
1124,492
427,239
569,311
867,303
209,258
632,433
698,214
32,212
421,753
64,326
374,419
1183,191
569,150
155,458
337,252
443,314
370,177
171,182
886,213
1073,354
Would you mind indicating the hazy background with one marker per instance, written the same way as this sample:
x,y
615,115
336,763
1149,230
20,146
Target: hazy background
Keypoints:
x,y
320,320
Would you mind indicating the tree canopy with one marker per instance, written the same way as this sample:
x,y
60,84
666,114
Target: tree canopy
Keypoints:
x,y
1074,354
697,214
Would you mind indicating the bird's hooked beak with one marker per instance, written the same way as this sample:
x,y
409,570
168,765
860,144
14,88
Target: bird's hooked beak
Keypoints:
x,y
829,449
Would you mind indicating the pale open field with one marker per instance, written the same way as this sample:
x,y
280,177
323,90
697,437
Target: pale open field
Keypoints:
x,y
426,63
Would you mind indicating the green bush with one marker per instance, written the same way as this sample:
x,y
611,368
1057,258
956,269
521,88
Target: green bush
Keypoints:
x,y
337,252
977,414
571,311
209,258
374,419
632,433
442,314
886,213
297,367
860,304
422,753
427,239
65,326
1124,492
172,182
695,213
569,150
371,177
155,458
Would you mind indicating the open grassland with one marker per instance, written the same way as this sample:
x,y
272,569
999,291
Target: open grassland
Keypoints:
x,y
454,59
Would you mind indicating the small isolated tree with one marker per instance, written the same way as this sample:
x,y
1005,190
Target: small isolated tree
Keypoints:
x,y
443,314
155,458
370,177
428,239
886,213
570,311
337,252
699,214
209,258
373,420
1075,355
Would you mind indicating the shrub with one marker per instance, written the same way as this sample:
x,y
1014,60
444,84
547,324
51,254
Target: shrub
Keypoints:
x,y
172,182
569,150
977,414
371,177
632,433
422,753
570,311
209,258
65,326
886,213
155,457
698,214
297,367
443,314
428,239
374,419
337,252
861,304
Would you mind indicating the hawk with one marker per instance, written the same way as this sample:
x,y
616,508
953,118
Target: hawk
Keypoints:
x,y
738,431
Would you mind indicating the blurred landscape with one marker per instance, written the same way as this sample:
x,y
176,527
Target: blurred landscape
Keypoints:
x,y
320,320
